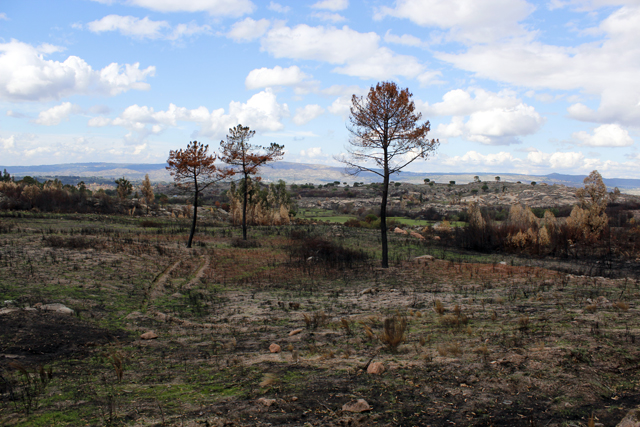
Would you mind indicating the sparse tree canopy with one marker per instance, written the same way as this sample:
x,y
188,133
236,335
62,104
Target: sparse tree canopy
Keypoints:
x,y
124,187
590,216
386,136
193,170
246,160
147,191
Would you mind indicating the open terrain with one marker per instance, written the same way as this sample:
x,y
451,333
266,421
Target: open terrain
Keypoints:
x,y
489,339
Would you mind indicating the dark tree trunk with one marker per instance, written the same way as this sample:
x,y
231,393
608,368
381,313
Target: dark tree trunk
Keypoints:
x,y
195,217
244,207
383,211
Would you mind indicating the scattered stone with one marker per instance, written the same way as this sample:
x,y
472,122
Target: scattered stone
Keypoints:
x,y
423,259
417,235
360,405
134,315
295,332
503,263
57,307
603,302
266,402
399,230
436,237
8,310
149,336
632,419
274,348
375,368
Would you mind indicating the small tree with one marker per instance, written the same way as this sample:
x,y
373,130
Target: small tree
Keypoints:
x,y
497,179
385,138
476,178
124,187
590,216
246,160
426,180
193,170
147,191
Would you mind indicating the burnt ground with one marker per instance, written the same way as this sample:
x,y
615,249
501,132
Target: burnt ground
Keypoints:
x,y
510,345
35,337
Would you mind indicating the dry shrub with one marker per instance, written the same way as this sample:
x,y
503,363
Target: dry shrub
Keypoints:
x,y
438,307
452,348
624,306
315,320
393,332
591,308
452,320
317,250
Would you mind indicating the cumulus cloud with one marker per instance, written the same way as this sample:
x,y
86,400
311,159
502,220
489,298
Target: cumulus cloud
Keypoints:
x,y
277,76
129,26
54,115
26,76
494,118
405,39
555,161
261,112
607,68
358,54
469,21
609,135
330,17
307,113
277,7
213,7
248,30
8,143
312,152
333,5
474,158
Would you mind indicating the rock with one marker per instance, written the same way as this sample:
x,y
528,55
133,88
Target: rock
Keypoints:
x,y
295,332
423,259
603,302
632,419
417,235
360,405
274,348
57,307
368,291
266,402
134,315
503,263
375,368
149,336
8,310
399,230
436,237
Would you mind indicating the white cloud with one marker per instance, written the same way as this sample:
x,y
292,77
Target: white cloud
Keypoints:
x,y
129,26
26,76
405,39
277,76
144,28
330,17
3,17
494,118
99,122
261,112
248,30
333,5
213,7
358,53
277,7
608,135
54,115
312,152
307,113
607,68
466,20
556,161
8,143
16,114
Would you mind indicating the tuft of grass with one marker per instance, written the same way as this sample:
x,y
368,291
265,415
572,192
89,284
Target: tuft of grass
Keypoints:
x,y
438,307
393,332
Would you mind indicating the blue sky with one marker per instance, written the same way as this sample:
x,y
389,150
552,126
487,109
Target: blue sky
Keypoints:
x,y
508,85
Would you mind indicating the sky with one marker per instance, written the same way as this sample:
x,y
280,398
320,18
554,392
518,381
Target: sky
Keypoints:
x,y
507,85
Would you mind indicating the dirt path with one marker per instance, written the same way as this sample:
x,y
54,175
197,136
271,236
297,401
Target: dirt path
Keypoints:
x,y
199,273
153,289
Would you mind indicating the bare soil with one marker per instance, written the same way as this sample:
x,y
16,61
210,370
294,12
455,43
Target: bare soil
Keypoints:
x,y
513,345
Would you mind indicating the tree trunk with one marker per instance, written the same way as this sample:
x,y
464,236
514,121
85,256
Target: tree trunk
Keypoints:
x,y
244,207
383,221
195,217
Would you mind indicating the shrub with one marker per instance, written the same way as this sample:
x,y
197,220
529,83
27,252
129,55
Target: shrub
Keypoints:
x,y
330,254
393,331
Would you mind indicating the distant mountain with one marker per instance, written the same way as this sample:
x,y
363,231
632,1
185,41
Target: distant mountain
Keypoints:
x,y
298,173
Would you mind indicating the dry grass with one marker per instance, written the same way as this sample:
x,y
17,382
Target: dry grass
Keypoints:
x,y
393,332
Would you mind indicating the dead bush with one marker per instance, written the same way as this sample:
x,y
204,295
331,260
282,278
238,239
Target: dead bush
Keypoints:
x,y
393,332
